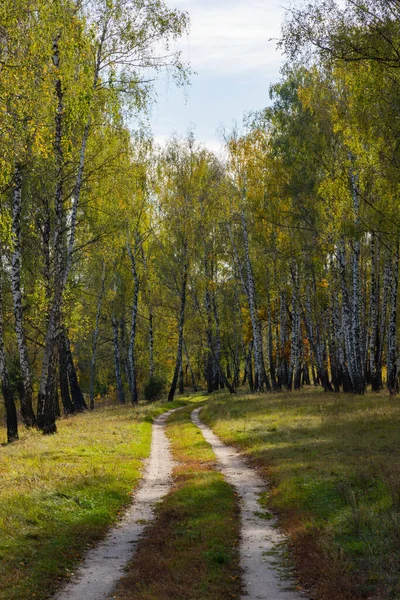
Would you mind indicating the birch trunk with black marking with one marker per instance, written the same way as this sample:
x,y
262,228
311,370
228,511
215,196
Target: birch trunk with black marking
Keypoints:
x,y
356,311
117,361
387,284
335,345
374,340
62,253
272,370
148,298
283,368
317,339
181,323
218,382
209,337
346,319
124,352
82,157
11,412
392,368
255,323
294,378
28,416
151,341
96,336
46,418
132,337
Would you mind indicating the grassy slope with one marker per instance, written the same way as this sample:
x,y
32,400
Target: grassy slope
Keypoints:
x,y
191,551
333,461
59,494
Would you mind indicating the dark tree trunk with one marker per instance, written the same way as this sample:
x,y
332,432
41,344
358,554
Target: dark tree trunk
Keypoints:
x,y
77,397
181,381
11,413
67,403
249,367
192,377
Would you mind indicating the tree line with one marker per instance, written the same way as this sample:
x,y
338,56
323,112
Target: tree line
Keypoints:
x,y
124,265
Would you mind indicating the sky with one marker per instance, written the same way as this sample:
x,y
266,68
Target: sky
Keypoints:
x,y
232,48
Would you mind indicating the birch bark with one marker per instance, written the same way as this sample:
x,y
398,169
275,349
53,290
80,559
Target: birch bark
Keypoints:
x,y
46,417
251,292
117,361
181,323
28,416
295,354
132,338
392,369
96,336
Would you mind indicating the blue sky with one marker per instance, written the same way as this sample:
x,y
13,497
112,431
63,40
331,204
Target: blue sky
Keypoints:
x,y
230,48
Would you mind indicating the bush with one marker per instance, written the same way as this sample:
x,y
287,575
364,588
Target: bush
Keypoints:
x,y
154,388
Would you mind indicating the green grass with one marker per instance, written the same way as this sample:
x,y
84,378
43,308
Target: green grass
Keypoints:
x,y
334,464
59,494
191,550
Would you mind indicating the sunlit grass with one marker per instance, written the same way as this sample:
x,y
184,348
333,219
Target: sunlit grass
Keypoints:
x,y
334,464
58,494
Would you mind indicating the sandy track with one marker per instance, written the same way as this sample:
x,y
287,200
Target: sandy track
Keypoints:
x,y
103,566
261,541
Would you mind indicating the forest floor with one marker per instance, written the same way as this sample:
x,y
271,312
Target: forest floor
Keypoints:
x,y
331,468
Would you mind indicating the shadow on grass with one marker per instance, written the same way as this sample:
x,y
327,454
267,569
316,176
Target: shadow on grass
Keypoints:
x,y
333,462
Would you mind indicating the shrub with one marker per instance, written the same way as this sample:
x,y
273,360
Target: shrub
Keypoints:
x,y
154,388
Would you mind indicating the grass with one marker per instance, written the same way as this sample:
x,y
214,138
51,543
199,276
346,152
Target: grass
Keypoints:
x,y
59,494
191,550
334,465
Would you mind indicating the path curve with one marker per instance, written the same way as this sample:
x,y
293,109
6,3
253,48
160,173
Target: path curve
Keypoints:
x,y
261,541
103,566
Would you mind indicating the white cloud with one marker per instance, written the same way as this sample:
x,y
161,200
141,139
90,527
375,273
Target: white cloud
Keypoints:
x,y
232,36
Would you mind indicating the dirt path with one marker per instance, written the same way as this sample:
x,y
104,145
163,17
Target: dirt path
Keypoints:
x,y
104,565
261,542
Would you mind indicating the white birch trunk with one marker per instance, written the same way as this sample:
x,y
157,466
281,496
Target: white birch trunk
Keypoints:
x,y
132,338
96,336
28,415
